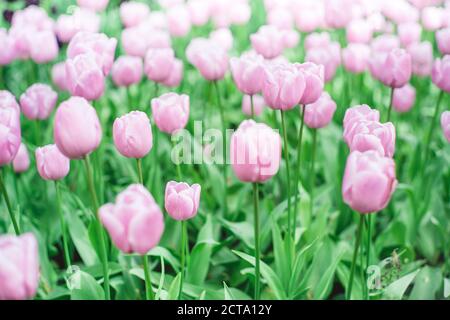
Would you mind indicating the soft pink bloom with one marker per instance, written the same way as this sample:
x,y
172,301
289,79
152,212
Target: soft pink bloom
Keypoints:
x,y
223,37
317,40
356,57
356,114
84,78
422,58
97,44
181,200
320,113
21,162
284,86
335,15
43,46
170,112
132,134
385,43
314,81
19,267
134,222
248,72
59,76
133,13
127,70
404,98
208,57
328,56
359,31
369,181
159,64
268,41
137,40
77,130
372,135
96,5
176,75
441,73
51,163
21,38
255,152
67,26
8,100
443,40
393,69
409,33
10,133
258,104
179,20
400,11
445,124
38,101
281,18
34,17
308,19
199,11
432,18
7,54
291,38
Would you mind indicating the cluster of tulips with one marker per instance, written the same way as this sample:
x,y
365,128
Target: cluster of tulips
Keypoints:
x,y
384,38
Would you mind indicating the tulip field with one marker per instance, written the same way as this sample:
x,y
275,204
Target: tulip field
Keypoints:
x,y
225,150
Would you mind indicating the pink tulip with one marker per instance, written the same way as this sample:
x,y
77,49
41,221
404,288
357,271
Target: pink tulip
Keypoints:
x,y
317,40
356,114
369,181
159,64
394,69
335,16
320,113
409,33
441,73
84,78
268,41
175,76
284,86
43,46
127,70
199,11
281,18
223,37
10,134
308,20
181,200
132,135
133,13
208,57
21,162
314,81
7,100
432,18
372,135
443,40
404,98
255,152
34,17
291,38
359,31
77,130
96,5
38,101
258,105
400,11
445,124
65,28
329,57
97,44
422,58
21,39
179,21
51,163
248,72
59,76
356,57
137,40
385,43
134,222
170,112
19,267
7,54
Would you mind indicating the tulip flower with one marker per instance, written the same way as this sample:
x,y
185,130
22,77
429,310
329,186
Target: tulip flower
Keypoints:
x,y
179,20
356,57
356,114
38,101
372,135
135,224
175,76
422,58
317,40
159,64
59,76
21,162
441,73
319,113
19,267
137,40
445,124
132,13
404,98
127,70
223,37
170,112
268,41
95,5
43,47
7,54
443,40
199,11
208,57
329,57
359,31
409,33
314,81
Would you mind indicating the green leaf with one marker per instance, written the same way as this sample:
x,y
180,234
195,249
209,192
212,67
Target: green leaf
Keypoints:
x,y
85,287
227,293
397,289
80,238
323,287
281,256
427,283
446,288
174,288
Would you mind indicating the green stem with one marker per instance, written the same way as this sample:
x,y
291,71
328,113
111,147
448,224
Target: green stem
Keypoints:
x,y
98,227
369,241
355,254
149,295
139,170
432,126
8,202
252,106
297,173
390,105
288,175
313,160
177,164
257,240
63,224
184,245
130,98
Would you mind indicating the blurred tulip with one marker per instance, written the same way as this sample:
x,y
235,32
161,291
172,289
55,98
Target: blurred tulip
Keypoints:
x,y
335,16
96,5
7,100
51,163
208,57
320,113
38,101
443,41
258,104
385,43
369,181
10,134
356,57
137,40
7,54
134,222
317,40
445,124
404,98
34,17
181,200
291,38
19,267
43,47
133,13
127,70
59,76
314,81
441,73
328,56
179,20
308,20
394,69
67,26
132,134
21,161
176,75
268,41
255,152
199,11
248,72
159,64
409,33
432,18
77,130
281,18
170,112
422,58
223,37
359,31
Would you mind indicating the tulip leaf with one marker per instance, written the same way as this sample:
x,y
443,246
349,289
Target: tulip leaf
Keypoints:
x,y
174,288
85,287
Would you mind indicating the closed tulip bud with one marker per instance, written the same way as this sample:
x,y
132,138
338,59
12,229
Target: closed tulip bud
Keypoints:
x,y
317,40
314,81
159,64
181,200
248,72
176,75
255,151
258,104
34,17
369,181
77,130
19,267
51,163
385,43
132,134
422,58
179,21
372,135
7,54
268,41
38,101
308,19
445,124
95,5
59,76
134,222
10,134
329,57
359,31
394,69
7,100
21,162
432,18
127,70
43,46
84,78
441,73
335,16
199,11
137,40
133,13
320,113
404,98
291,38
356,57
281,18
357,114
409,33
170,112
208,57
66,27
97,44
223,37
443,40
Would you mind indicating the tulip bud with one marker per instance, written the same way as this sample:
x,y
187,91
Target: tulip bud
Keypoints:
x,y
159,64
59,76
38,101
445,124
441,73
95,5
443,40
133,13
356,57
222,37
179,20
170,112
21,162
199,11
10,133
7,54
175,76
359,31
422,58
127,70
51,163
248,72
404,98
208,57
43,46
314,81
328,56
409,33
181,200
357,114
394,69
320,113
268,41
